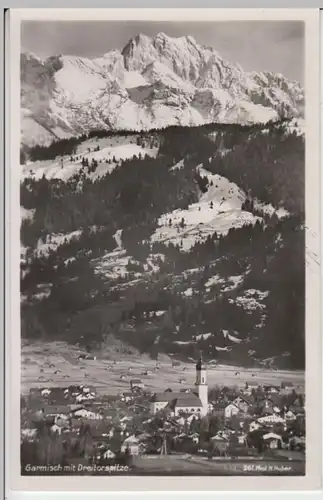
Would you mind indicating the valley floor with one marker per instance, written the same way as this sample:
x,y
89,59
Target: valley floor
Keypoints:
x,y
56,364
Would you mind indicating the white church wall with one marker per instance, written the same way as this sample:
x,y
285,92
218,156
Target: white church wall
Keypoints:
x,y
188,409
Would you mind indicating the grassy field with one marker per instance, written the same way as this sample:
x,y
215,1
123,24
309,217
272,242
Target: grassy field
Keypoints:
x,y
56,364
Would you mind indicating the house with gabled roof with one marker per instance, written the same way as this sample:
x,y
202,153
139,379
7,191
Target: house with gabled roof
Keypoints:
x,y
131,445
136,382
271,389
230,410
243,402
273,440
254,426
56,410
271,419
108,454
265,407
127,396
290,416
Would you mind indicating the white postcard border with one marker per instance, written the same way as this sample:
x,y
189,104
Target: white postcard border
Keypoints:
x,y
312,480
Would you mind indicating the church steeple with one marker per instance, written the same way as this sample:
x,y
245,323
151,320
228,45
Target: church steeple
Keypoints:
x,y
200,364
201,383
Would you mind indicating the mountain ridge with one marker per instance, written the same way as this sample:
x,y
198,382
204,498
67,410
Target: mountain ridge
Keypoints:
x,y
150,83
176,241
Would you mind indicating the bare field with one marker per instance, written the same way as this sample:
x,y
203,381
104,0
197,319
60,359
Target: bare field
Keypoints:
x,y
56,364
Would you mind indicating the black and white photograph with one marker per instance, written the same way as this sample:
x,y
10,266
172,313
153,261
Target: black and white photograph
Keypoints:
x,y
164,248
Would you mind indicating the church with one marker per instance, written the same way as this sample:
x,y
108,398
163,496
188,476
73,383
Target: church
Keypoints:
x,y
188,402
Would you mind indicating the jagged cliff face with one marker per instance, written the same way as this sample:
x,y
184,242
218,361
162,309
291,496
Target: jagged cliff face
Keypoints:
x,y
151,83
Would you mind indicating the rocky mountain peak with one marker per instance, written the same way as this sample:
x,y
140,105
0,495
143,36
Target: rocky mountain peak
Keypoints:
x,y
152,82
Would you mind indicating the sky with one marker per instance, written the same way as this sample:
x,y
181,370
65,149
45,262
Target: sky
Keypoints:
x,y
276,46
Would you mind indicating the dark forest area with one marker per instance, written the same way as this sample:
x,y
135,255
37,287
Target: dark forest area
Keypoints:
x,y
265,161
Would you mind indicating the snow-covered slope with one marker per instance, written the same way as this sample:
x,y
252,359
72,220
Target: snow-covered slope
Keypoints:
x,y
218,210
111,151
151,83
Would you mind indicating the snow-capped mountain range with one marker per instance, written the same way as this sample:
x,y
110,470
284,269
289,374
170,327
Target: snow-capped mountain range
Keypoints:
x,y
151,83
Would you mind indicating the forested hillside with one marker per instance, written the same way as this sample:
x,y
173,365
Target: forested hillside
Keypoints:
x,y
191,240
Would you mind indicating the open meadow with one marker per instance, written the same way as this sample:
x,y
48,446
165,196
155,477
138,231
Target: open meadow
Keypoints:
x,y
56,364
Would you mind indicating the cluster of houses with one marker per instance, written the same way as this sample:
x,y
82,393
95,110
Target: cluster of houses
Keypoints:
x,y
222,421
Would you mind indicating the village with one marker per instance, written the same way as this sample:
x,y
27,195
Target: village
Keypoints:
x,y
75,428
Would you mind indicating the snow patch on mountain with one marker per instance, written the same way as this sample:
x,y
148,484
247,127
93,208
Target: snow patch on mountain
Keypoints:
x,y
268,209
118,239
152,264
251,300
228,336
157,72
251,112
182,342
63,168
113,264
203,336
34,133
53,241
219,209
178,166
222,348
72,87
26,214
132,79
234,282
214,280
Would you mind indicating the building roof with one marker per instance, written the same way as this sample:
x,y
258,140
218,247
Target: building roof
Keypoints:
x,y
192,400
231,403
179,399
253,385
272,435
131,440
247,398
56,409
275,399
219,438
273,418
163,397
